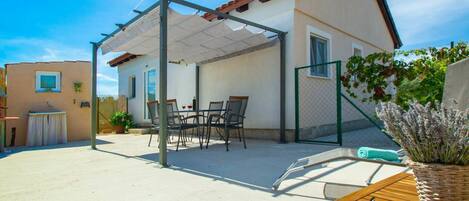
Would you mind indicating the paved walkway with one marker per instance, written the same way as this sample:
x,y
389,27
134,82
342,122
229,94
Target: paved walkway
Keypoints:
x,y
124,168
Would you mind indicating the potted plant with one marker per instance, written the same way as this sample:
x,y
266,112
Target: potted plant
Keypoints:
x,y
77,86
121,121
436,141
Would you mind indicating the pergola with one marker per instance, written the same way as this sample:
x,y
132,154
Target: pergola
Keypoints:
x,y
147,33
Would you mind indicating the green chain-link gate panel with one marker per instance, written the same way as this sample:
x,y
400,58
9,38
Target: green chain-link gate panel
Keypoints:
x,y
326,114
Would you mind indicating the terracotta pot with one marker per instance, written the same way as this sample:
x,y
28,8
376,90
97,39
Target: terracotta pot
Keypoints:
x,y
441,182
119,129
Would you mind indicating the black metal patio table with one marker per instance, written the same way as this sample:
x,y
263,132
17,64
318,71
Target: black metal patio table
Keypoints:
x,y
203,111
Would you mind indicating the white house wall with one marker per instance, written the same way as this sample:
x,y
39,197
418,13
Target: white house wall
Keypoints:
x,y
181,83
256,74
343,25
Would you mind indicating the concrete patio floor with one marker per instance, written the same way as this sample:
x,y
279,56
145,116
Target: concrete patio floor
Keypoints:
x,y
124,168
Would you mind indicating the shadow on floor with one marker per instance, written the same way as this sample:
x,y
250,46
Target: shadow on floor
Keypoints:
x,y
15,150
256,167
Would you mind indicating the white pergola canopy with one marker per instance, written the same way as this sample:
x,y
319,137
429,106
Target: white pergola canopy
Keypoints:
x,y
191,38
168,35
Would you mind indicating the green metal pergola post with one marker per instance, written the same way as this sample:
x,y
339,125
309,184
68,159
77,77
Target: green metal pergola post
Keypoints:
x,y
283,63
163,132
94,111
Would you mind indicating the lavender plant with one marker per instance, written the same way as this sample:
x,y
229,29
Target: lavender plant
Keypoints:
x,y
439,135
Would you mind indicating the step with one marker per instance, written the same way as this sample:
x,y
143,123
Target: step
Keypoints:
x,y
140,131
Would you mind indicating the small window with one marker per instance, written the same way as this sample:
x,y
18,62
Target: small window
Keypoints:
x,y
319,55
47,81
132,86
357,51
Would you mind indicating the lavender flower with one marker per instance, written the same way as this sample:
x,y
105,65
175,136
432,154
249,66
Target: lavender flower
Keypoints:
x,y
429,135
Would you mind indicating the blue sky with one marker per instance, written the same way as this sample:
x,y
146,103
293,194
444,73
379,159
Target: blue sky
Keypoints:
x,y
50,30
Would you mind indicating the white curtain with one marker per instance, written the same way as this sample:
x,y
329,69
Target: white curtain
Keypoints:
x,y
47,129
36,129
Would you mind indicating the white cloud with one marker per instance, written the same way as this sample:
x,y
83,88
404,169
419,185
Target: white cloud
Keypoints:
x,y
104,77
418,21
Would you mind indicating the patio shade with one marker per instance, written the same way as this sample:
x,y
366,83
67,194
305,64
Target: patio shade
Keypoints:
x,y
191,38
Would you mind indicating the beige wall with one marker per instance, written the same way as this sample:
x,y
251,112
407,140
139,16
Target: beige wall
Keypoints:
x,y
22,97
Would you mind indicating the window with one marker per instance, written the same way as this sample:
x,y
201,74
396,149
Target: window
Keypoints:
x,y
319,55
357,50
132,85
150,88
47,81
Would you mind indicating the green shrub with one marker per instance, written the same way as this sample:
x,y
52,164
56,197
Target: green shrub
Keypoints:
x,y
416,74
122,119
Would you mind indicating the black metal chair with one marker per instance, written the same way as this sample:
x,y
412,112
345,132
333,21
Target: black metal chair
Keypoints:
x,y
155,121
231,120
213,116
178,123
244,105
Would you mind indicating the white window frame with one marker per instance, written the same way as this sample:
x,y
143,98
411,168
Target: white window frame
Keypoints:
x,y
313,31
48,73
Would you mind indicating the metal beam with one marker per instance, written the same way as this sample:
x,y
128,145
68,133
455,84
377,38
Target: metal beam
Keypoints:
x,y
94,111
163,82
226,16
129,22
283,64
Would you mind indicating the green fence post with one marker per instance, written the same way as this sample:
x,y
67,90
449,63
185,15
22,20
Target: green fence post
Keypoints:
x,y
339,102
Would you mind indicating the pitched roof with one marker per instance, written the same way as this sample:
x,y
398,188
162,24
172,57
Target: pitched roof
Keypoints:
x,y
227,7
383,6
237,4
122,59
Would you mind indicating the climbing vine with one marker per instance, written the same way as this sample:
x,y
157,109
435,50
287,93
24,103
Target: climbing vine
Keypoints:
x,y
416,74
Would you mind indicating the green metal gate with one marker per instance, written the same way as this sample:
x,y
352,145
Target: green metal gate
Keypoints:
x,y
326,114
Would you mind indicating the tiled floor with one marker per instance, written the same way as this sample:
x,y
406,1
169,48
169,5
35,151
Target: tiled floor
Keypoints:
x,y
124,168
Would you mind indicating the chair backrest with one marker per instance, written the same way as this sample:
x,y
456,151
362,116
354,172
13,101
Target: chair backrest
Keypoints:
x,y
172,115
215,115
153,111
244,105
233,110
173,103
171,111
